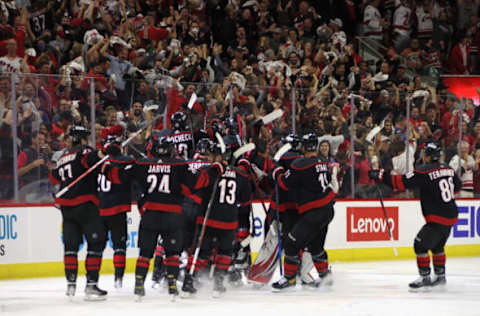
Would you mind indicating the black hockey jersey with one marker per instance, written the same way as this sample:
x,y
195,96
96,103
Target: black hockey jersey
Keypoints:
x,y
182,141
162,180
287,198
70,166
438,184
114,197
234,192
310,178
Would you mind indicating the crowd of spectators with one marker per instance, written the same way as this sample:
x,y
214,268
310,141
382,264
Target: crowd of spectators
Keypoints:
x,y
130,59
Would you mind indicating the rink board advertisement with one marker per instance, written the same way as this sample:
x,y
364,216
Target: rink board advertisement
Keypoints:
x,y
31,239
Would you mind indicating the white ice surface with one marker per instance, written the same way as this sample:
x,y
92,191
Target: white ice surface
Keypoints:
x,y
371,288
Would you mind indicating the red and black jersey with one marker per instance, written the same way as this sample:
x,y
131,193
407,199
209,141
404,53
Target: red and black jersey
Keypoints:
x,y
182,140
287,199
163,181
115,197
195,166
310,179
234,191
70,166
438,184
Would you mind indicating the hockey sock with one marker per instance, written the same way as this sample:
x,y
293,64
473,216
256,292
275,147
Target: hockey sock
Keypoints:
x,y
199,265
439,263
222,262
320,262
172,263
71,265
423,263
141,269
119,262
290,266
92,265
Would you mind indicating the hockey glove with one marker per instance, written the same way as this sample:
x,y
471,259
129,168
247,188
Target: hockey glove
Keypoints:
x,y
376,175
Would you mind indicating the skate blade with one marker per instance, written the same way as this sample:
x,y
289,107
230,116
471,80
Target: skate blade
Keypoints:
x,y
156,285
217,294
423,289
138,298
95,298
238,283
439,288
70,298
172,297
117,286
186,294
284,290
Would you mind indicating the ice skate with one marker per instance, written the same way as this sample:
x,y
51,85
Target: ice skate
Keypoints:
x,y
284,284
218,287
438,282
118,284
158,277
188,289
93,293
71,288
235,278
172,287
325,279
421,284
139,292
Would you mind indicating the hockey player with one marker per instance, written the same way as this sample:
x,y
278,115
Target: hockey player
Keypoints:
x,y
287,198
437,183
202,158
162,176
179,135
115,202
80,216
310,177
190,207
233,192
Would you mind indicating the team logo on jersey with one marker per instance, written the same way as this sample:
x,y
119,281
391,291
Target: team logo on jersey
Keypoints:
x,y
369,224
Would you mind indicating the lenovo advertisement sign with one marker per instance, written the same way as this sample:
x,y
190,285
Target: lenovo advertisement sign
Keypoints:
x,y
367,223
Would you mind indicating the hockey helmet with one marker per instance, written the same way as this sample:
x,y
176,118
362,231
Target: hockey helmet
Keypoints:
x,y
433,150
294,140
112,146
310,142
78,133
205,146
159,147
178,121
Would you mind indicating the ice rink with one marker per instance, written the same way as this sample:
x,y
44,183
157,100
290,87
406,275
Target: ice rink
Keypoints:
x,y
367,288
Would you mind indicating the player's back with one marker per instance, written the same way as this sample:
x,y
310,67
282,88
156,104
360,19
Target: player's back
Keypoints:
x,y
438,184
162,180
71,165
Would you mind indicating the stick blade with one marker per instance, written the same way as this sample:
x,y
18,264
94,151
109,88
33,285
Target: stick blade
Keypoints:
x,y
244,149
282,151
272,116
221,143
193,98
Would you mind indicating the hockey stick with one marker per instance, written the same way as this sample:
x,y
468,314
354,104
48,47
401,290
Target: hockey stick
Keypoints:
x,y
277,157
89,170
191,102
380,197
242,150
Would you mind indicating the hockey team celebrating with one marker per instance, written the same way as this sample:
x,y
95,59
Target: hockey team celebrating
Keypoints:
x,y
194,190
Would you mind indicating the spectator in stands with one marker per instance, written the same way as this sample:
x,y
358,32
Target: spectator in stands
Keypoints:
x,y
465,165
34,160
459,60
